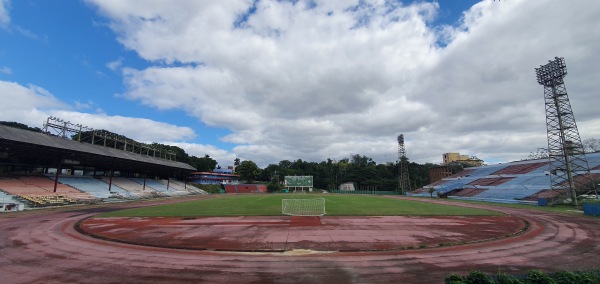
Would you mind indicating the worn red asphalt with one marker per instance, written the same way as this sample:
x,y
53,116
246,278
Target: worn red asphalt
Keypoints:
x,y
43,247
284,233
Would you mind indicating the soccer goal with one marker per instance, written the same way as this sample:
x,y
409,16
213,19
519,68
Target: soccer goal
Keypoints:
x,y
303,207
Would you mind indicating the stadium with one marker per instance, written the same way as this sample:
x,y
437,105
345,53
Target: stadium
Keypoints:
x,y
255,82
66,187
523,182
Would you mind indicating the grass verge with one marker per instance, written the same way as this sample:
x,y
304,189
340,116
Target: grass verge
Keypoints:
x,y
270,205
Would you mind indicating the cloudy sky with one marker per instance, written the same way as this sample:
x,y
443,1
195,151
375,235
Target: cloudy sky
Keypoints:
x,y
273,80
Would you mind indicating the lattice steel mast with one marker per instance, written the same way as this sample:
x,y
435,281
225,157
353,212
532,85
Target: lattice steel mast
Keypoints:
x,y
403,179
565,149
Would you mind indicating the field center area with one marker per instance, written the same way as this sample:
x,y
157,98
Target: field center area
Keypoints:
x,y
285,233
254,223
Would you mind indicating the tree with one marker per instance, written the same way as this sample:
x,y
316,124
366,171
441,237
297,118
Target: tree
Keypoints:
x,y
285,164
541,153
274,186
270,173
180,154
205,164
431,190
236,163
20,125
361,161
248,171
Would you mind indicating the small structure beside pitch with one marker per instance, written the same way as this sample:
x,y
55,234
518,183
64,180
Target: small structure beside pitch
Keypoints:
x,y
298,183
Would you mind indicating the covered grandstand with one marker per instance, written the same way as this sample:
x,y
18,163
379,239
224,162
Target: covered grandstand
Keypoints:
x,y
42,170
516,182
214,178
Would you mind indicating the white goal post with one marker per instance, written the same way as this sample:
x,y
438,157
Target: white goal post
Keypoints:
x,y
303,207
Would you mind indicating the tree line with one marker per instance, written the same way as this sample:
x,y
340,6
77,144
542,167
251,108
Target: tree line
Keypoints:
x,y
329,174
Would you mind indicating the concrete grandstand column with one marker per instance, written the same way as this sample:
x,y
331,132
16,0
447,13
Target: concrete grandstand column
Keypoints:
x,y
58,170
110,180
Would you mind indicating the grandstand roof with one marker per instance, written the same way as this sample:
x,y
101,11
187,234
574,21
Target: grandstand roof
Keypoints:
x,y
34,148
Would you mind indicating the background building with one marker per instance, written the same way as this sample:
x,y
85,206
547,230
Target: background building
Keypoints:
x,y
457,158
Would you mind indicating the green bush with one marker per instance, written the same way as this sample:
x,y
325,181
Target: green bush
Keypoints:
x,y
504,278
478,277
533,277
538,277
274,187
566,277
577,277
455,279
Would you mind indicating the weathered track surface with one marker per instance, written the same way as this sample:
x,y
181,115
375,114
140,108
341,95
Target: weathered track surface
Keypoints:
x,y
43,247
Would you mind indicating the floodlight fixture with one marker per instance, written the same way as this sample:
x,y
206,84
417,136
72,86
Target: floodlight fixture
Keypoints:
x,y
552,73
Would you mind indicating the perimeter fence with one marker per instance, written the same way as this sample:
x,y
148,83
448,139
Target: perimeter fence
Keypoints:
x,y
376,192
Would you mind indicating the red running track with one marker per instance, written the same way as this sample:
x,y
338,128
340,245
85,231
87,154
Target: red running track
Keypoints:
x,y
43,247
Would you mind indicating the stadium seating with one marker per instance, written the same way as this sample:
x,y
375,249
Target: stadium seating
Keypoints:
x,y
93,186
9,198
507,193
484,171
39,191
174,184
151,184
161,187
179,188
133,189
490,181
594,161
451,186
510,183
545,194
522,168
469,192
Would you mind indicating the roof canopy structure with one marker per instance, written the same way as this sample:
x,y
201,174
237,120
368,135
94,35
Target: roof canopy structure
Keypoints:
x,y
28,148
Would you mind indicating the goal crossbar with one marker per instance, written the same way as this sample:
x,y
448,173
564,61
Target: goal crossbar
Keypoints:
x,y
303,207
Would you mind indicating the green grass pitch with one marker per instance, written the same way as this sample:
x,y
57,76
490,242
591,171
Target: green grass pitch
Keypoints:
x,y
270,205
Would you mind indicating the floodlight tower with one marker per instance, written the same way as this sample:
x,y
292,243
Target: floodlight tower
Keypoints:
x,y
565,149
403,180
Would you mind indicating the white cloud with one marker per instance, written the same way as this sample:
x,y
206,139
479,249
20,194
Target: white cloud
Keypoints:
x,y
115,65
294,81
225,158
5,70
4,14
140,129
32,105
84,105
29,105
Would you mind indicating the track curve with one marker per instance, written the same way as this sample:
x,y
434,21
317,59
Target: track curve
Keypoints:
x,y
43,247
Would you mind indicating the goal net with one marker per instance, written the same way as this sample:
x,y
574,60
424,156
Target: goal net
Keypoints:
x,y
303,207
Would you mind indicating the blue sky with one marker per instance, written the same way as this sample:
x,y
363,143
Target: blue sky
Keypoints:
x,y
300,80
66,47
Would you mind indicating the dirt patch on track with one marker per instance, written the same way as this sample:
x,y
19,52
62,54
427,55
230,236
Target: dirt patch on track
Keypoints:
x,y
282,233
